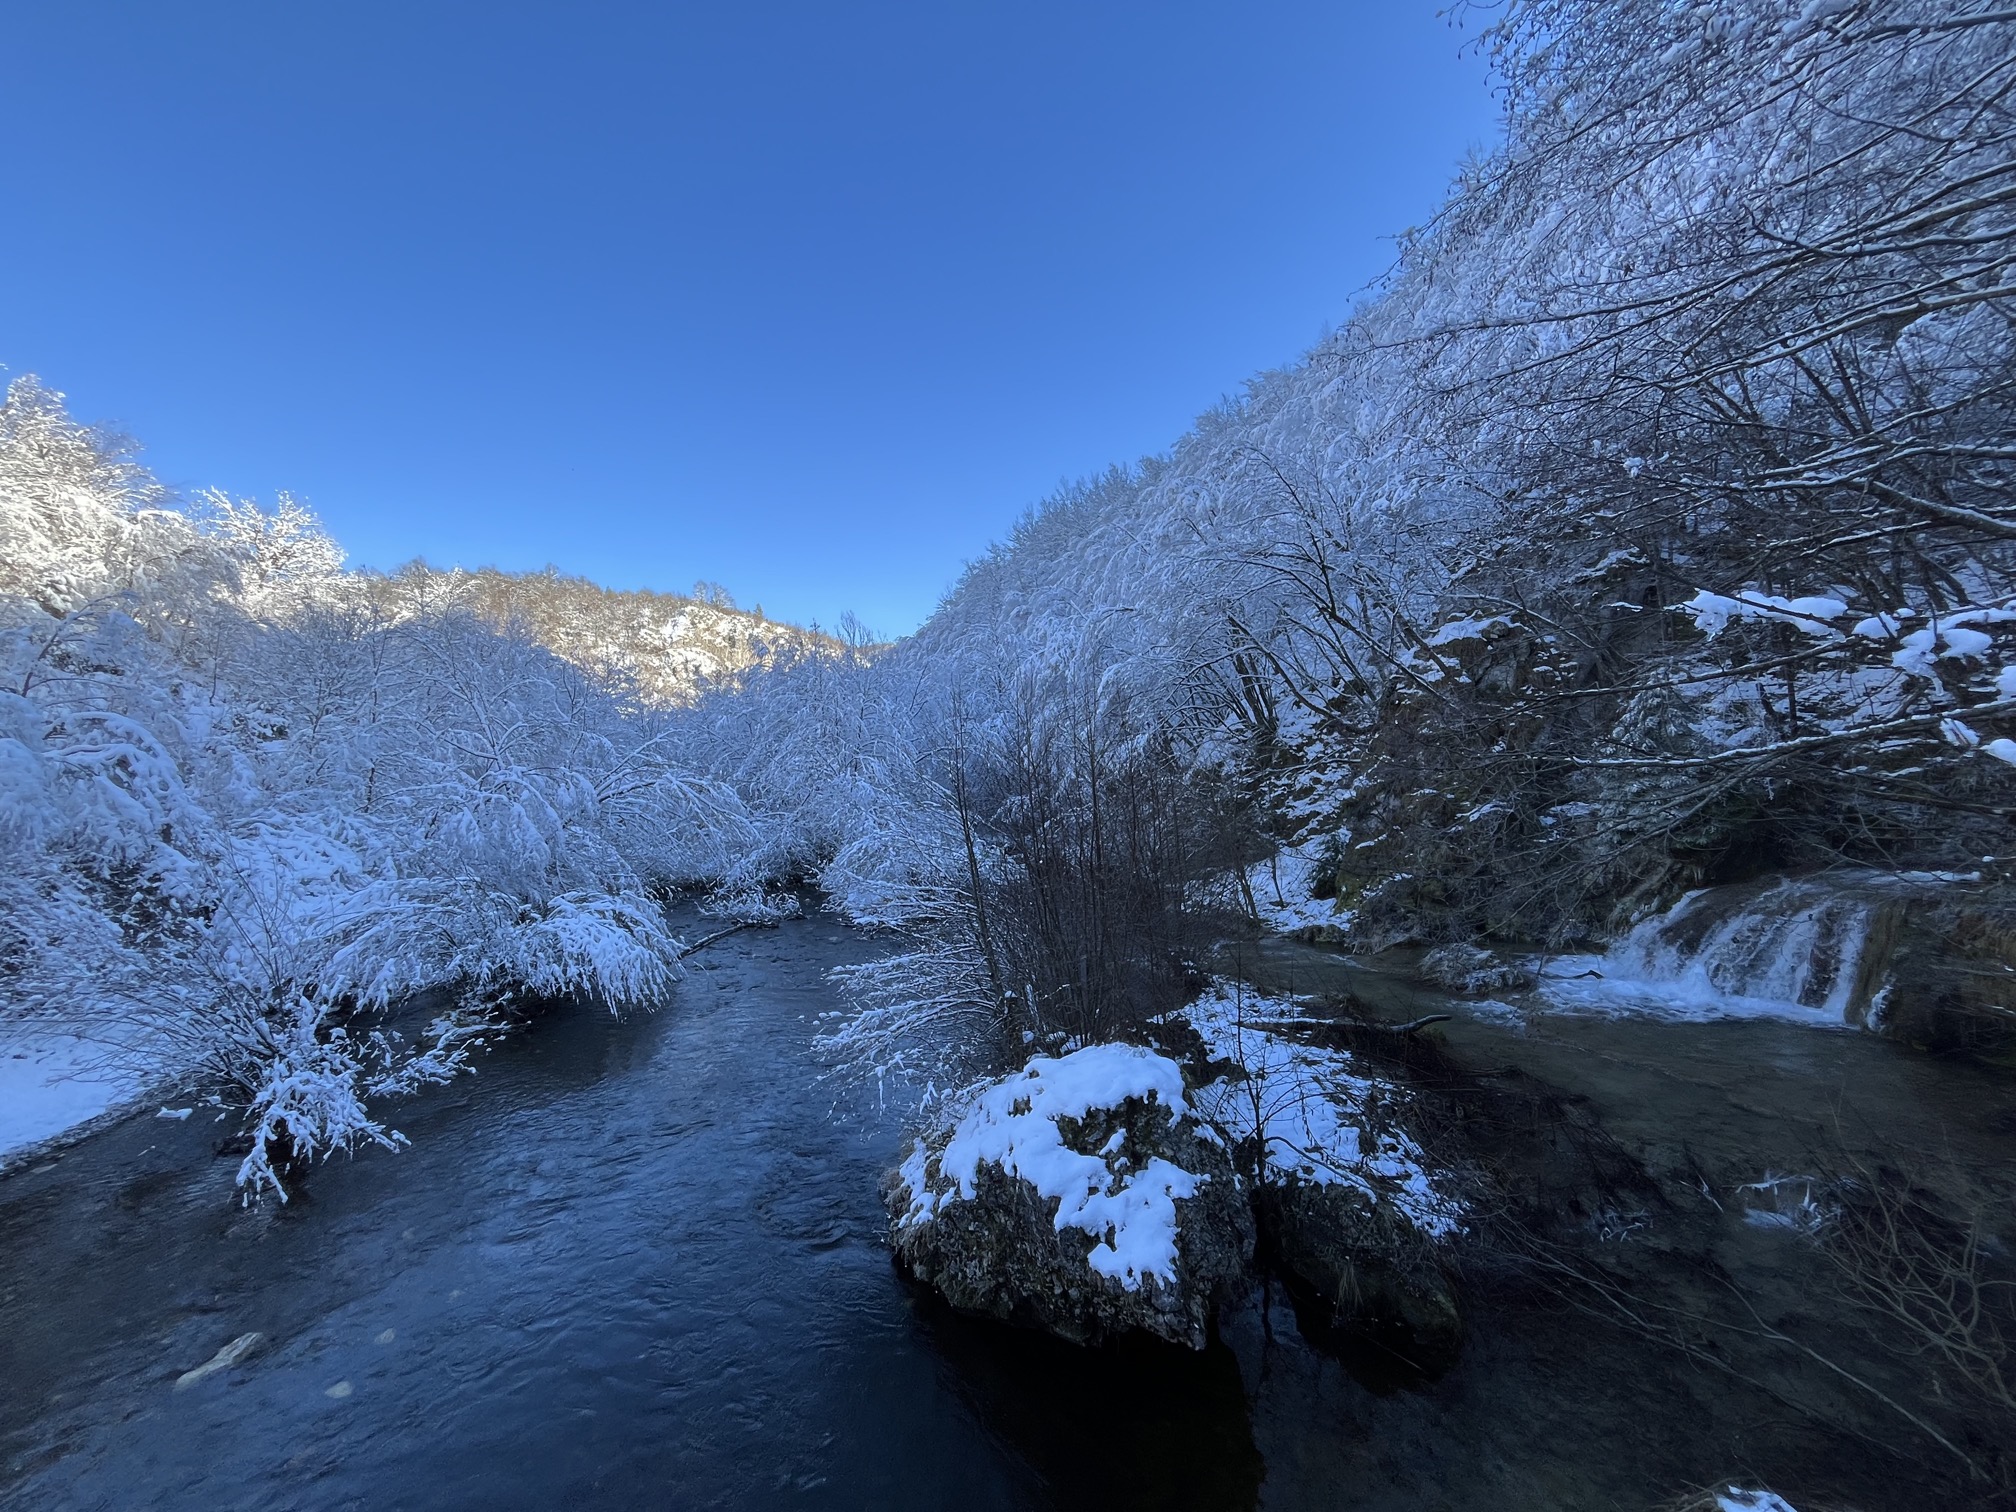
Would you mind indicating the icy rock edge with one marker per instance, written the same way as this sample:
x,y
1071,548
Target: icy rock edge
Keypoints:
x,y
1351,1212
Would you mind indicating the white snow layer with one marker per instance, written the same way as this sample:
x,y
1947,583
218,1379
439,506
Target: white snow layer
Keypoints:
x,y
1282,887
53,1083
1318,1115
1713,611
1013,1125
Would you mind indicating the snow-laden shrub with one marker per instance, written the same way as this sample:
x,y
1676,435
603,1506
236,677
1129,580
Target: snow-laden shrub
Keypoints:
x,y
252,803
312,1079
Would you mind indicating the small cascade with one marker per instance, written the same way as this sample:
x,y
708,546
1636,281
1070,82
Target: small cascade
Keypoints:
x,y
1793,941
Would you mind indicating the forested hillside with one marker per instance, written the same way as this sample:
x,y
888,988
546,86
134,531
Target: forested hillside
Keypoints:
x,y
1649,527
666,646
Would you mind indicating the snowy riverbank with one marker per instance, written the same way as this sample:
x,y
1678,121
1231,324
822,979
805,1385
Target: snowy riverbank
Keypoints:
x,y
55,1085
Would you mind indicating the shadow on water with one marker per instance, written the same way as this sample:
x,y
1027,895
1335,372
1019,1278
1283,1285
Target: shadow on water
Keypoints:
x,y
1138,1424
1740,1094
1638,1137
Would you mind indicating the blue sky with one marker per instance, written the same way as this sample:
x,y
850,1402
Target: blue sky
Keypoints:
x,y
809,300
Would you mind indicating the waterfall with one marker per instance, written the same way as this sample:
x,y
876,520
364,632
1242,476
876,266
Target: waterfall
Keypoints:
x,y
1794,941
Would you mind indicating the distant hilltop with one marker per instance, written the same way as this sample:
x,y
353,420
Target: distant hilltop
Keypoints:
x,y
669,646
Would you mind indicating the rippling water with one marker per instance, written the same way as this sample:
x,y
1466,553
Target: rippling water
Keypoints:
x,y
638,1263
630,1263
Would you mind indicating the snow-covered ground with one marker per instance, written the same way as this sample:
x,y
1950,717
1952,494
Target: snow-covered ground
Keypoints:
x,y
51,1083
1281,890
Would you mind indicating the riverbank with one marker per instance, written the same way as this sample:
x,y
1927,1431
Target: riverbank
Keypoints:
x,y
56,1089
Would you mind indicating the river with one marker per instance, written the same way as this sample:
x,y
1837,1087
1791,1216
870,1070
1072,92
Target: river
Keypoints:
x,y
638,1262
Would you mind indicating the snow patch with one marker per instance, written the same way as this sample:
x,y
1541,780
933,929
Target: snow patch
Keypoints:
x,y
1476,628
1282,888
1736,1498
1013,1125
52,1083
1712,612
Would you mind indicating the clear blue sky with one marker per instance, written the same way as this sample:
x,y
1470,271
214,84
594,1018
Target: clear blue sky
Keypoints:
x,y
811,300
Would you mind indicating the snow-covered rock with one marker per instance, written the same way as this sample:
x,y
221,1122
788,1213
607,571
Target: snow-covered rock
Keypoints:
x,y
1350,1211
1472,970
1079,1195
1091,1194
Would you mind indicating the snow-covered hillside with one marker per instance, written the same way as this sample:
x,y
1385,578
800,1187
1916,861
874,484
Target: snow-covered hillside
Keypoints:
x,y
668,646
1649,527
251,804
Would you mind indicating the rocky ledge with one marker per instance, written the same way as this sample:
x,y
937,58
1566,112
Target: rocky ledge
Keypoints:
x,y
1473,971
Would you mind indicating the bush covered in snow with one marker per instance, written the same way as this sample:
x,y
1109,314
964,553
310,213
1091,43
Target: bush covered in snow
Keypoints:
x,y
249,803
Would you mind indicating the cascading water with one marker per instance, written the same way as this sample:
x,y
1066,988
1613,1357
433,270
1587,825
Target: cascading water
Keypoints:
x,y
1929,957
1795,941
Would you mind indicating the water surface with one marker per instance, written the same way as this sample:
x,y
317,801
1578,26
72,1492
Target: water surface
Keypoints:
x,y
639,1263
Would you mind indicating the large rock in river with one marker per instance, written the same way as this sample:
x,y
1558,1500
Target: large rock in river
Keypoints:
x,y
1472,970
1080,1196
1352,1211
1362,1277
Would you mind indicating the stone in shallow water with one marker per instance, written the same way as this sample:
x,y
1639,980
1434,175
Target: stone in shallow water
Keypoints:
x,y
1364,1280
1351,1210
1055,1204
1469,969
224,1359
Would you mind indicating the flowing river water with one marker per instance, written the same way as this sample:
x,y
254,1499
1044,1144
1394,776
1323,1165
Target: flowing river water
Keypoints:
x,y
639,1263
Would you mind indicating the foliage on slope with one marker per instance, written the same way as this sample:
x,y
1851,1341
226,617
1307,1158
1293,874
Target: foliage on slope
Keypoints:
x,y
1649,527
253,805
668,647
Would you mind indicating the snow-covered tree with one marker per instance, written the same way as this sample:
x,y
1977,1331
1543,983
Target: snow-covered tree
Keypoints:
x,y
253,804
